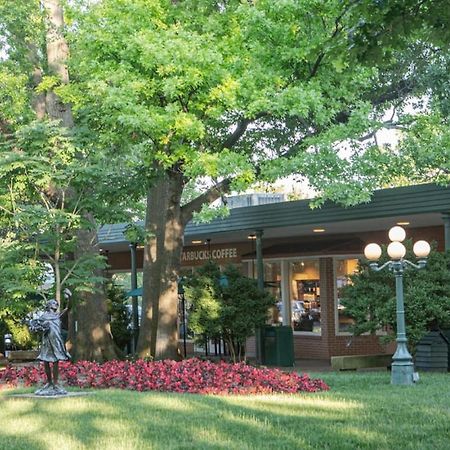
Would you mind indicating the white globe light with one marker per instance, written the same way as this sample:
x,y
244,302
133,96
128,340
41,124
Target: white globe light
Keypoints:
x,y
372,252
421,249
397,234
396,250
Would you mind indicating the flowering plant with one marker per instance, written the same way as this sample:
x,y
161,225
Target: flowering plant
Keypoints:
x,y
191,375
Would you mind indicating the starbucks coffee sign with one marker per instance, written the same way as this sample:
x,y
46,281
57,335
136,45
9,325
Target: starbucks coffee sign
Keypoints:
x,y
218,254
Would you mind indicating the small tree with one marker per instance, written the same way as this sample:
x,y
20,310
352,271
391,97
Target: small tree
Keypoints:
x,y
370,299
120,316
230,310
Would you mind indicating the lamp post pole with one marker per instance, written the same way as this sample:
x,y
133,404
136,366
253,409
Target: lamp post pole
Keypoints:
x,y
402,372
134,299
402,363
259,260
182,297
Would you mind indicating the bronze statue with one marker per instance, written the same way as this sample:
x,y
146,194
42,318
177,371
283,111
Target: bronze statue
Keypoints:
x,y
53,349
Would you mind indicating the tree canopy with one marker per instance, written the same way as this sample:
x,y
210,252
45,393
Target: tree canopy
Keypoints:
x,y
180,102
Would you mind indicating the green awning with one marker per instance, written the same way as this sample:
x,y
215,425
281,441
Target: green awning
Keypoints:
x,y
135,292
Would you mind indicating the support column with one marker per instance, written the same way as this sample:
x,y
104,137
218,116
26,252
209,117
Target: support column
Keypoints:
x,y
446,219
134,299
286,310
260,279
259,259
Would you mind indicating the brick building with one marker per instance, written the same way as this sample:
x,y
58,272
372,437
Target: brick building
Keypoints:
x,y
304,256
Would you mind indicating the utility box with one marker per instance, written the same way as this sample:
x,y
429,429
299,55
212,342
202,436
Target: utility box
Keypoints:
x,y
432,352
276,346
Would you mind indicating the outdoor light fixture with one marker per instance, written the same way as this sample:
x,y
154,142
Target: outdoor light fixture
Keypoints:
x,y
318,230
397,234
8,343
396,250
251,237
403,223
402,364
197,242
421,249
372,252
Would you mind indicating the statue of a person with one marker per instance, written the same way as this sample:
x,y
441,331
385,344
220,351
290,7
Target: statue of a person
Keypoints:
x,y
53,349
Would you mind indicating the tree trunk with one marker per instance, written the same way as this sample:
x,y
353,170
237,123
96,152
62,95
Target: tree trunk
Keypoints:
x,y
164,224
57,54
93,339
158,336
89,331
37,100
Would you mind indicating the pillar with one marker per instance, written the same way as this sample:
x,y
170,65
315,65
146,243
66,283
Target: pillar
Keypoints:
x,y
286,309
134,299
446,219
259,259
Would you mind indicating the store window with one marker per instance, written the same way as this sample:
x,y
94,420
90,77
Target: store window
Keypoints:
x,y
305,295
344,268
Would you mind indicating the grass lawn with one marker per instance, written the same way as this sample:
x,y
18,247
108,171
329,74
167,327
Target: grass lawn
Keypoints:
x,y
362,410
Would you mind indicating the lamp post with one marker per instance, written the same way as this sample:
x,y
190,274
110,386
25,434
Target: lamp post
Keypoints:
x,y
402,364
134,299
8,342
182,297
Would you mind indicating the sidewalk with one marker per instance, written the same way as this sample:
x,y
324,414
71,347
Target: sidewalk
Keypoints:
x,y
313,365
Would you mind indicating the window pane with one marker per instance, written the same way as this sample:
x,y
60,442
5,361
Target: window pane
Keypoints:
x,y
272,284
305,295
344,268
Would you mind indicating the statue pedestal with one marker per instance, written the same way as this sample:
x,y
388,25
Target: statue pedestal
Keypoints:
x,y
33,395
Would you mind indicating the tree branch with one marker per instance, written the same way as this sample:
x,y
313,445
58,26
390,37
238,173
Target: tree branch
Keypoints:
x,y
212,194
234,137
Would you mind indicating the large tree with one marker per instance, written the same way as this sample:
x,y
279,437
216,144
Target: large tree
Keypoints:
x,y
218,94
53,178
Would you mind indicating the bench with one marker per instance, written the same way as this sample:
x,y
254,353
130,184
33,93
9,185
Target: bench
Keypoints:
x,y
23,355
354,362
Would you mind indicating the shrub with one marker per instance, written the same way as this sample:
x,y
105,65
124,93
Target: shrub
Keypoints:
x,y
230,310
191,375
120,317
370,299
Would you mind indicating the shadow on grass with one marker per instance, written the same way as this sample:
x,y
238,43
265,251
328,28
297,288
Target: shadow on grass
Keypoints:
x,y
359,412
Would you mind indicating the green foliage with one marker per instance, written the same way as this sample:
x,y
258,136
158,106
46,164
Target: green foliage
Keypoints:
x,y
135,234
370,299
41,213
166,83
22,338
231,311
120,317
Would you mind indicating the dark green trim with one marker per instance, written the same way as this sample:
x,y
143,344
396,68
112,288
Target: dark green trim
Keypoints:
x,y
420,199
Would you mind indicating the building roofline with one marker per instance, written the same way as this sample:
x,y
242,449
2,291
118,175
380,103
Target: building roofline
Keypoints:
x,y
418,199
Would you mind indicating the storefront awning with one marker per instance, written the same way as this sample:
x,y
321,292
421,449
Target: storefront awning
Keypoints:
x,y
135,292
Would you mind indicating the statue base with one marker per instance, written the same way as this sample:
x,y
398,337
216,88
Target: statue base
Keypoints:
x,y
51,389
32,395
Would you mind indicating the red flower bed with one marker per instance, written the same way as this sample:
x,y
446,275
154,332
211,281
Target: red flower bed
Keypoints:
x,y
191,375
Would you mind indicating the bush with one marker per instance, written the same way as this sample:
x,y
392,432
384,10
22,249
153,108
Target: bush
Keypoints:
x,y
230,310
120,317
371,300
191,375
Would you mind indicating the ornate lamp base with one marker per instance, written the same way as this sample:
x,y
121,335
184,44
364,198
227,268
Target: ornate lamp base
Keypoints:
x,y
402,373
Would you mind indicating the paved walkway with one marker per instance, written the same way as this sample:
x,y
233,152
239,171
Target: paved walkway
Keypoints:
x,y
312,365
